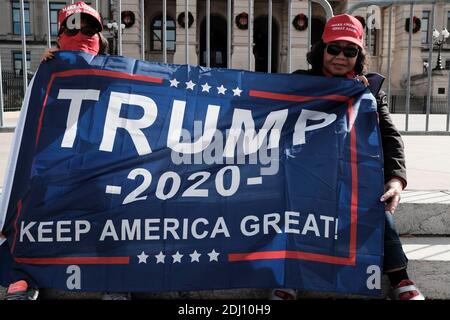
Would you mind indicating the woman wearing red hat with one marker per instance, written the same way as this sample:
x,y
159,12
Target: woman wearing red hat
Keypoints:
x,y
79,29
340,53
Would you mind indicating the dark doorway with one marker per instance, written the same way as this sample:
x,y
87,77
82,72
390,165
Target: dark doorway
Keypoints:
x,y
317,26
218,55
261,40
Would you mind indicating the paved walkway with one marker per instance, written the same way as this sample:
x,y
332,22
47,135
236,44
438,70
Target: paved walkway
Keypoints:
x,y
428,162
429,249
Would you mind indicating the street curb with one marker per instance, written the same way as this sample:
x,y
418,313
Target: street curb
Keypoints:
x,y
7,129
423,218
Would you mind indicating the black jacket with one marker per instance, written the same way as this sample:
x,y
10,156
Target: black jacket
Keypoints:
x,y
393,147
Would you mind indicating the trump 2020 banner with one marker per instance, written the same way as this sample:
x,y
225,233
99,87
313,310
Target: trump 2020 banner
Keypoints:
x,y
128,175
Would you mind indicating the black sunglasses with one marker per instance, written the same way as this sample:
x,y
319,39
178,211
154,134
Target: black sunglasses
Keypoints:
x,y
349,52
86,30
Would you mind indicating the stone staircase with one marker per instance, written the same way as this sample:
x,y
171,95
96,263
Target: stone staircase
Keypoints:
x,y
423,218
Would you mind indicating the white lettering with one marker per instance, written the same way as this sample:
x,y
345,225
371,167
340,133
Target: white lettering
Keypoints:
x,y
176,124
26,231
81,227
220,227
42,231
273,223
109,231
76,98
311,225
301,125
194,228
74,280
252,141
133,126
149,228
374,279
133,232
254,228
60,230
172,229
289,221
327,220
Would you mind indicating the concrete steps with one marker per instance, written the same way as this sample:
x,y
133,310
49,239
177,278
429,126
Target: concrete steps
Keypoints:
x,y
424,213
429,264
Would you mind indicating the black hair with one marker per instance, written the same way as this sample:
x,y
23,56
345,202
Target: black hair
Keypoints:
x,y
315,58
104,44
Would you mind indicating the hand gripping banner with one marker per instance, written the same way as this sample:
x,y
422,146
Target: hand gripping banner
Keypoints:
x,y
127,175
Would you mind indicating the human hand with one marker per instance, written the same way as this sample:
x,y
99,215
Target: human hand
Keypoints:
x,y
48,54
392,190
363,79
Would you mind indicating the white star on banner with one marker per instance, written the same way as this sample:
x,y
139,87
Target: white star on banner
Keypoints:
x,y
206,87
221,89
160,257
177,257
195,256
142,257
174,83
190,85
237,92
213,255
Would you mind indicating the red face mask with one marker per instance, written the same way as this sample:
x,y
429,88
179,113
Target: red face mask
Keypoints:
x,y
80,42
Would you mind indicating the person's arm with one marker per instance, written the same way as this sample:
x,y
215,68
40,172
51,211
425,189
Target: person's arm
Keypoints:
x,y
363,79
394,156
48,54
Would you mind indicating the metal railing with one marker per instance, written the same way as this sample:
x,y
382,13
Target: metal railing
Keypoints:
x,y
408,99
418,105
12,89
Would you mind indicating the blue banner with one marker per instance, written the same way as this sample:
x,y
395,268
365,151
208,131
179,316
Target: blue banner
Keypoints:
x,y
129,175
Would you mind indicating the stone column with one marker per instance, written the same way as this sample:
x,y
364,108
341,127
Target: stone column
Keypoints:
x,y
179,56
299,39
400,48
383,52
131,37
239,56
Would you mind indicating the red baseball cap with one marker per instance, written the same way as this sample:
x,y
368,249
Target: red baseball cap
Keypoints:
x,y
79,7
344,27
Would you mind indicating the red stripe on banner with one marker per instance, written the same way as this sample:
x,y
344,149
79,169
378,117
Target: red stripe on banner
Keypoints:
x,y
75,260
19,211
294,98
354,166
94,72
108,73
41,116
297,255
